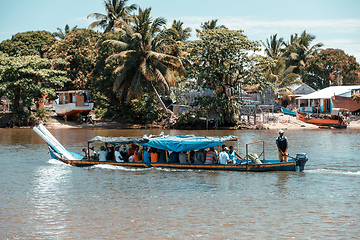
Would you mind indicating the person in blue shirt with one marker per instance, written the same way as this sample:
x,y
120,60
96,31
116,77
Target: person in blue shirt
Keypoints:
x,y
146,155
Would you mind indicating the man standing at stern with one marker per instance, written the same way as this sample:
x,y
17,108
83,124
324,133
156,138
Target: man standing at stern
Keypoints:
x,y
282,145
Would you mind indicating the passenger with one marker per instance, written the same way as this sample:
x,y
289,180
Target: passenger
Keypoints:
x,y
92,154
211,157
132,149
137,154
124,152
224,156
102,154
153,155
162,156
118,157
146,155
199,157
233,154
183,158
110,153
174,157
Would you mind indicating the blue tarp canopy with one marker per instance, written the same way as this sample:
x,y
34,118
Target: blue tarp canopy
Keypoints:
x,y
186,143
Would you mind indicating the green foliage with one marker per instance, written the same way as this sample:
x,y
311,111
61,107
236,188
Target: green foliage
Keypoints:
x,y
79,50
42,113
142,65
190,121
28,43
328,67
221,61
25,78
145,110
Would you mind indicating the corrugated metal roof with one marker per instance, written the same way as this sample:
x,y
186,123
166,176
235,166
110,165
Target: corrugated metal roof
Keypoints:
x,y
328,92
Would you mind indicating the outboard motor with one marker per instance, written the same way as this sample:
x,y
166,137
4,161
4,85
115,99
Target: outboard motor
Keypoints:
x,y
301,159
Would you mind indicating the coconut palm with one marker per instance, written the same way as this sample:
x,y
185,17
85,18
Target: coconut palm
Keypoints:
x,y
209,25
175,37
144,65
299,50
273,47
62,34
117,13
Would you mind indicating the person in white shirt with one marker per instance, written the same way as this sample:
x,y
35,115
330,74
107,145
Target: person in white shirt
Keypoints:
x,y
118,157
102,154
224,156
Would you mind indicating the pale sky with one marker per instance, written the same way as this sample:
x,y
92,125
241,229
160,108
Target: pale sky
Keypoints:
x,y
335,23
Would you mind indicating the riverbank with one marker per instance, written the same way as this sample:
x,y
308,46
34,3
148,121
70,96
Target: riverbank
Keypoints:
x,y
279,121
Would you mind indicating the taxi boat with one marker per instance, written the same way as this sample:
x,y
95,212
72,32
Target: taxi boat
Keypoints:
x,y
251,162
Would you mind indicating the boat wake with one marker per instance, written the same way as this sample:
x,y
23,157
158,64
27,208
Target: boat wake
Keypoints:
x,y
344,172
112,167
56,162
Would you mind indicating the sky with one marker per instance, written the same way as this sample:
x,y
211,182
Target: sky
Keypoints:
x,y
335,23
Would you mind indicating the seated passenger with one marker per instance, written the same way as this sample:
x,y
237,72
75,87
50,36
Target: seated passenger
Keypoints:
x,y
137,155
162,156
153,155
118,157
224,156
174,157
183,158
92,154
146,155
199,157
211,157
233,154
102,154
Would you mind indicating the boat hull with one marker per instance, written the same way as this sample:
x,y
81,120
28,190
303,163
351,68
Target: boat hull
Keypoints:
x,y
269,166
325,121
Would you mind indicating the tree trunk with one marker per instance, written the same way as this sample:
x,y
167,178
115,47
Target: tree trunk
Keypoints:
x,y
159,99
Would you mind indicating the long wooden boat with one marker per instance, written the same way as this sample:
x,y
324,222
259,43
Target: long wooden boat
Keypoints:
x,y
337,119
177,144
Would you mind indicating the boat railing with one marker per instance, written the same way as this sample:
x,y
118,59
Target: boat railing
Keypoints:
x,y
261,154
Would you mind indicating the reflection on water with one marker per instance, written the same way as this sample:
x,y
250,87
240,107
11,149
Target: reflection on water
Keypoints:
x,y
45,199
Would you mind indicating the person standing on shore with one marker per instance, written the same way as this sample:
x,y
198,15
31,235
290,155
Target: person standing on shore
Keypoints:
x,y
282,145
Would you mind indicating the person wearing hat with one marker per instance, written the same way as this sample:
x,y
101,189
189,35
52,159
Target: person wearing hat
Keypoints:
x,y
102,154
118,157
282,145
224,156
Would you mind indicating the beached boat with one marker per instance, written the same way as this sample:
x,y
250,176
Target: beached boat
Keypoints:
x,y
339,118
288,112
73,103
250,162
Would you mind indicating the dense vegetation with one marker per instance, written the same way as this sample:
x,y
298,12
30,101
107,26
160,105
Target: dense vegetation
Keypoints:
x,y
137,64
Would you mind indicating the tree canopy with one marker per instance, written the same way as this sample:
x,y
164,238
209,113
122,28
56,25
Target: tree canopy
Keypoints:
x,y
27,78
28,43
331,67
221,61
78,48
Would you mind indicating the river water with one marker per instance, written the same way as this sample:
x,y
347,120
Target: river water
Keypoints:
x,y
42,198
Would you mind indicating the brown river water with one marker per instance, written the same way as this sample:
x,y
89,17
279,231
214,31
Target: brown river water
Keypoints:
x,y
42,198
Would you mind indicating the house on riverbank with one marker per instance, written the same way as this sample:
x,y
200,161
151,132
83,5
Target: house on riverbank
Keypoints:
x,y
322,100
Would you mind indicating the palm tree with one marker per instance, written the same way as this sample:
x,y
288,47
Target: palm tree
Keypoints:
x,y
117,13
273,47
281,77
299,50
143,63
62,34
209,25
175,37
